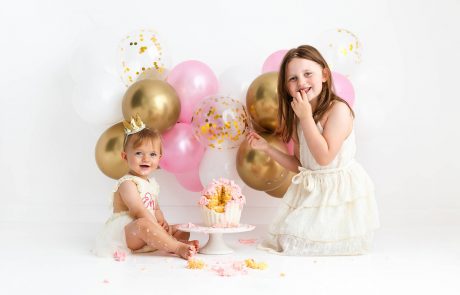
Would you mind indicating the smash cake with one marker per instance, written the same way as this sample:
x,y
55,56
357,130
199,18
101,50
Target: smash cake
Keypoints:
x,y
221,203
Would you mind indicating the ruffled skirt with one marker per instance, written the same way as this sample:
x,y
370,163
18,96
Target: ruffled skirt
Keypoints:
x,y
112,237
325,212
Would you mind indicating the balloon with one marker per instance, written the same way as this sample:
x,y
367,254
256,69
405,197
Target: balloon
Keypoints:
x,y
108,152
257,169
193,81
341,49
234,81
98,91
273,62
95,56
219,163
282,189
343,88
181,150
155,101
220,122
153,74
140,51
98,101
262,102
190,180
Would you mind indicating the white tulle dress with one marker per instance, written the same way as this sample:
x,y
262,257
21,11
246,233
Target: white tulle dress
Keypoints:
x,y
327,210
112,236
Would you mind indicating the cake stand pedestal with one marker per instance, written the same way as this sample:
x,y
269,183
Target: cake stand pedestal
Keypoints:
x,y
216,244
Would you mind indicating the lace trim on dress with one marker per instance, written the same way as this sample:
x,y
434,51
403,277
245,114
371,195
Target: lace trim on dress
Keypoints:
x,y
292,245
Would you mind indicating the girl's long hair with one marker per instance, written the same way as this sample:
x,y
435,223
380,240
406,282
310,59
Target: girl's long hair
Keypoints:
x,y
286,115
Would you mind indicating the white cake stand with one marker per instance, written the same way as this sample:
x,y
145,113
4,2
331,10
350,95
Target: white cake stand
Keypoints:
x,y
216,244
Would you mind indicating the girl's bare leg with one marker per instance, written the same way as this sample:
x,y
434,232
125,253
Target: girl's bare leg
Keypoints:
x,y
142,231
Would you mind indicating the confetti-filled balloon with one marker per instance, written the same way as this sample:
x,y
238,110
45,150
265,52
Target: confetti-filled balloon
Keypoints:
x,y
141,51
220,122
341,49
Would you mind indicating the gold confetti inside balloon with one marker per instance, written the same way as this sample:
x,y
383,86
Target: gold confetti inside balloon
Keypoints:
x,y
342,50
155,101
257,169
262,102
141,51
282,189
220,122
153,74
108,152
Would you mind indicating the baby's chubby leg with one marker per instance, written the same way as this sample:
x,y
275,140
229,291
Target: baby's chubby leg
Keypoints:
x,y
143,231
183,236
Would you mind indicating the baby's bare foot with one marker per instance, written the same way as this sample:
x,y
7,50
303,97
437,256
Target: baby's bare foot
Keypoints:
x,y
194,243
185,251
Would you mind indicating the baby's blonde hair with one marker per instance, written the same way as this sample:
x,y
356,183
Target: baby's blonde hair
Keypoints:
x,y
140,137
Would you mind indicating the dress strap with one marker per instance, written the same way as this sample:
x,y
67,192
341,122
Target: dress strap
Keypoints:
x,y
130,178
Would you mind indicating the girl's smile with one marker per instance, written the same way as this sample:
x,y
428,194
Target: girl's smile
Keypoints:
x,y
304,74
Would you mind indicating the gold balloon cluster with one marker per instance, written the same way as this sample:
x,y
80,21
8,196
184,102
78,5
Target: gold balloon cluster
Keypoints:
x,y
256,168
157,104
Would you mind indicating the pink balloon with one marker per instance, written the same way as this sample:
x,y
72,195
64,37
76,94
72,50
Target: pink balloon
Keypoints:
x,y
193,81
190,180
181,150
273,62
343,88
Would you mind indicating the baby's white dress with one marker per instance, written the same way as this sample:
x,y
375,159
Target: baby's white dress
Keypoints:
x,y
327,210
112,237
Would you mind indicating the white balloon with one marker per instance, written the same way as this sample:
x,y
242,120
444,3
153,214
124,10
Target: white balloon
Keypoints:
x,y
219,163
96,53
99,101
235,81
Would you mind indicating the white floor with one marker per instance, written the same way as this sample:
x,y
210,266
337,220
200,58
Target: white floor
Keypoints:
x,y
55,259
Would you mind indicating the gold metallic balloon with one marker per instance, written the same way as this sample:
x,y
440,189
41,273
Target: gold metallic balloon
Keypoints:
x,y
108,152
257,169
262,102
282,189
155,101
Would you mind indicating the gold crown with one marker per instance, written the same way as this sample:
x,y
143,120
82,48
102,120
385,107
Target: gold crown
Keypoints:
x,y
135,125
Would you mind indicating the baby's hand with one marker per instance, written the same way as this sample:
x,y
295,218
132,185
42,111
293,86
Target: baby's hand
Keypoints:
x,y
257,142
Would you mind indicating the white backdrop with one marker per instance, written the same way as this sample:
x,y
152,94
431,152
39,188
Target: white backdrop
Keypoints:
x,y
407,101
